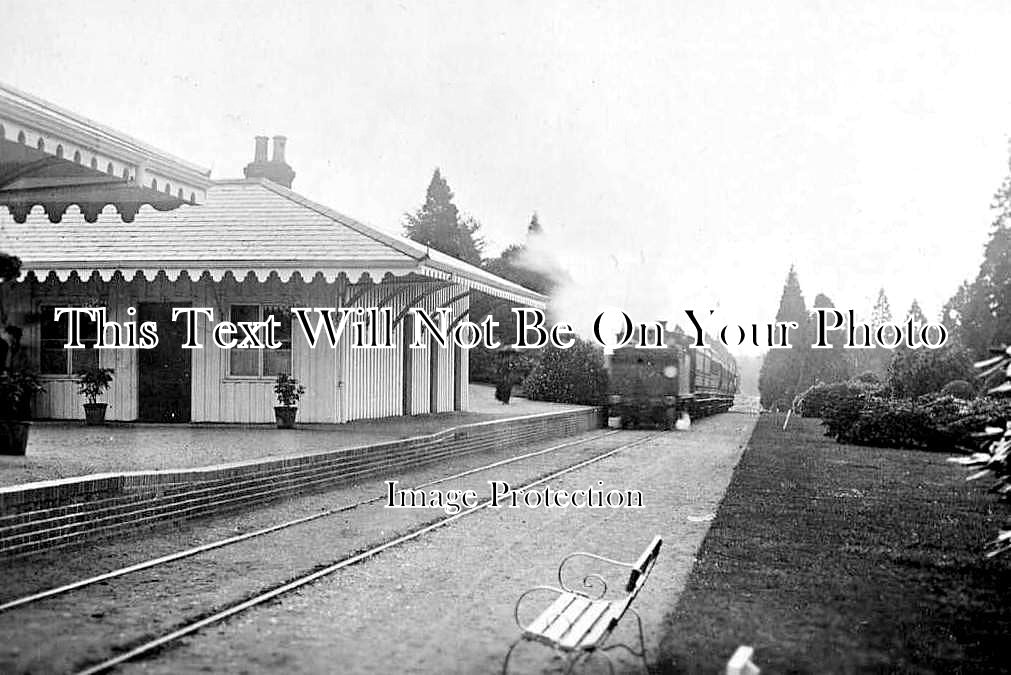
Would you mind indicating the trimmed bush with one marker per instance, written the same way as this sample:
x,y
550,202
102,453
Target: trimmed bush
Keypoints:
x,y
891,423
820,398
483,363
841,407
959,389
574,375
931,422
868,377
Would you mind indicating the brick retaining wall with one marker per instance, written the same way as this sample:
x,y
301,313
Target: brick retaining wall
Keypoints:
x,y
69,511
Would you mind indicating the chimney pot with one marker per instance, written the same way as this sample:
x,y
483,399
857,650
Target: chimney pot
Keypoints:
x,y
260,154
276,170
279,142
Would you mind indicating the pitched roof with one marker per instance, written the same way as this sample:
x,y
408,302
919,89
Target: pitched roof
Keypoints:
x,y
40,119
244,226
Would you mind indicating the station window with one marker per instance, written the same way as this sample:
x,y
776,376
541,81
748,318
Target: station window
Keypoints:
x,y
54,359
261,362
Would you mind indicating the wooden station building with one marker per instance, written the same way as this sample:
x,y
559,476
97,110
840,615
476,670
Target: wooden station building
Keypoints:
x,y
100,219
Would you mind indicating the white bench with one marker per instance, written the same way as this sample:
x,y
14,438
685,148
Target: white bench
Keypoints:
x,y
577,624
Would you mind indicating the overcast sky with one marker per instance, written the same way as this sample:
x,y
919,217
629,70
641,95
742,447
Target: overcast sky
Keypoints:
x,y
680,155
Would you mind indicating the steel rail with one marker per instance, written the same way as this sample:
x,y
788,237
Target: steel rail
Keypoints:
x,y
210,546
299,582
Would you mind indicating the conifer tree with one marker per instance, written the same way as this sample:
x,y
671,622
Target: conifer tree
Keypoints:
x,y
916,314
827,365
981,311
784,370
535,226
881,314
438,224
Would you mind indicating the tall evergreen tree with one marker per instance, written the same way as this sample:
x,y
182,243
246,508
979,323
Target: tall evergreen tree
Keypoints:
x,y
880,357
982,309
827,365
951,313
882,312
784,370
535,226
915,313
515,263
438,224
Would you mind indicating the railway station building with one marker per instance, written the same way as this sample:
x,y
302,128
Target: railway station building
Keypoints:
x,y
102,220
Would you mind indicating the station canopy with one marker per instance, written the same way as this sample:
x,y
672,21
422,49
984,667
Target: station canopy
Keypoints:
x,y
82,199
55,159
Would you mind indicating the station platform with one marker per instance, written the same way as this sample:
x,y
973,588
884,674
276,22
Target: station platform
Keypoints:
x,y
70,449
78,483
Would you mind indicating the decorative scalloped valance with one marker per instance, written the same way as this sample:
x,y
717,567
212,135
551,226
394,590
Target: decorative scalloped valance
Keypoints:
x,y
29,177
216,274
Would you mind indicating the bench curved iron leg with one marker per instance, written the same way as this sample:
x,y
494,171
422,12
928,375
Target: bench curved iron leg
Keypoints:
x,y
642,640
607,657
642,643
505,664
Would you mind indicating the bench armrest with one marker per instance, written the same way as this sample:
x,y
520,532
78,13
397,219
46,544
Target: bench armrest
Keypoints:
x,y
589,578
519,601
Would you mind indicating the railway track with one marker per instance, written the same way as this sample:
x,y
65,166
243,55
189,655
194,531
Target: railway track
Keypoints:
x,y
229,541
159,642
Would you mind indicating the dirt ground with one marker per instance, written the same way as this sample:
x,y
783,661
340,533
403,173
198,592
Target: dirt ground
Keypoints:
x,y
67,449
444,603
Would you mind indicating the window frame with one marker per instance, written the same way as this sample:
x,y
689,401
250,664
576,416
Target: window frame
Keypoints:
x,y
70,366
260,353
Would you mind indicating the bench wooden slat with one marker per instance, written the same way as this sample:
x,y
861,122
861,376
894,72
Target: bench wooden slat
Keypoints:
x,y
575,636
603,627
575,622
567,619
548,616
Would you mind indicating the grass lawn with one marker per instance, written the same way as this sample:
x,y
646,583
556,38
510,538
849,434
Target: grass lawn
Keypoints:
x,y
837,558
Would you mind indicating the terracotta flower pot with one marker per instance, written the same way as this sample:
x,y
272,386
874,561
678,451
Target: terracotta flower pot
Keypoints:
x,y
94,414
285,416
13,437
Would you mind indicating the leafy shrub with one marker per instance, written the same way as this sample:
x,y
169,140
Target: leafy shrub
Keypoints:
x,y
959,389
916,372
868,377
816,401
574,375
841,404
482,363
991,456
288,390
979,414
931,422
895,423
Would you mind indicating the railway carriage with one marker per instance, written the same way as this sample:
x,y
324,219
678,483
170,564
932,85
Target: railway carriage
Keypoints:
x,y
657,385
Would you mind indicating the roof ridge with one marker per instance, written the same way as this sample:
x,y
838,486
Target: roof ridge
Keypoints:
x,y
95,127
347,221
402,246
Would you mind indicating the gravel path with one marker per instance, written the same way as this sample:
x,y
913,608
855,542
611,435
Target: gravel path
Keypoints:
x,y
93,620
443,603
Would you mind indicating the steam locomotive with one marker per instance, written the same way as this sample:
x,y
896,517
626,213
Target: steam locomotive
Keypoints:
x,y
660,385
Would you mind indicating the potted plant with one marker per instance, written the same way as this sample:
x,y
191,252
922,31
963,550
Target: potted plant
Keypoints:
x,y
93,381
17,389
288,392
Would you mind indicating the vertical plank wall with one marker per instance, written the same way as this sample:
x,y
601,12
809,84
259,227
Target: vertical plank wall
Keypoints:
x,y
342,384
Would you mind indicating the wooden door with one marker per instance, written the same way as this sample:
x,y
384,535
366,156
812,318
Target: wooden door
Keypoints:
x,y
164,373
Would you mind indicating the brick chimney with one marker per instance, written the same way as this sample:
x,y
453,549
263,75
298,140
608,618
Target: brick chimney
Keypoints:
x,y
276,169
260,153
